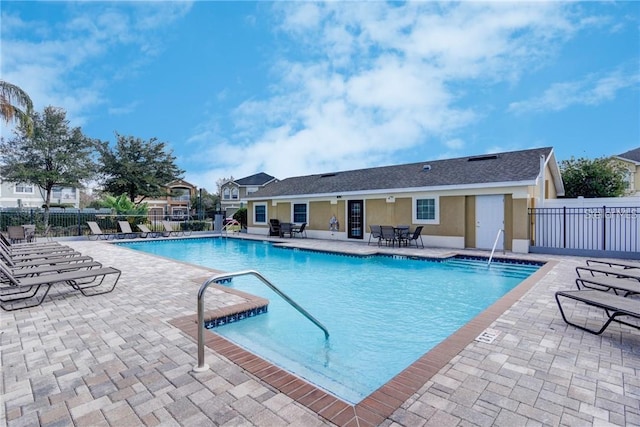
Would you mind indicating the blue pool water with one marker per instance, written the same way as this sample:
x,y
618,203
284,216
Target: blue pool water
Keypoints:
x,y
382,313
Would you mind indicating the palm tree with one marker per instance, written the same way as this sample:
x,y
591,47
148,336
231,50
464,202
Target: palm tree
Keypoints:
x,y
11,98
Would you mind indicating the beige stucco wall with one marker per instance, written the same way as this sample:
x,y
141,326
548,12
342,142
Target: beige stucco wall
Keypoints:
x,y
457,216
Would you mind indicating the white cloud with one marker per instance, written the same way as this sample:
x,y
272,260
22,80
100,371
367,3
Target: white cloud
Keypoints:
x,y
53,63
379,78
591,90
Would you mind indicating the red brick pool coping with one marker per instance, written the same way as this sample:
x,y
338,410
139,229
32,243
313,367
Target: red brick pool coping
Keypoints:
x,y
383,402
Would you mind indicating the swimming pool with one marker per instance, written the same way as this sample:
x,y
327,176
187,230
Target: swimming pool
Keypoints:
x,y
382,312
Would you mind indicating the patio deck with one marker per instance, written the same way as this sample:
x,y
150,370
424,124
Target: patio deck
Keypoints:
x,y
118,360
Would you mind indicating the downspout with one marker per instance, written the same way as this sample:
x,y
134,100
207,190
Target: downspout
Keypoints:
x,y
542,177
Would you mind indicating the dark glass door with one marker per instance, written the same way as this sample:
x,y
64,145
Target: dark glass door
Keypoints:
x,y
355,228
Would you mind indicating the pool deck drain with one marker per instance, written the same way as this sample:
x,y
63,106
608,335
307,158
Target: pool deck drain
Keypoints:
x,y
118,360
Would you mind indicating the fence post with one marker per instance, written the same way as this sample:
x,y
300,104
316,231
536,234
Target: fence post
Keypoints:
x,y
564,227
79,229
604,228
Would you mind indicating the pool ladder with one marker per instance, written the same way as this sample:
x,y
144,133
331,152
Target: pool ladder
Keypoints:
x,y
227,276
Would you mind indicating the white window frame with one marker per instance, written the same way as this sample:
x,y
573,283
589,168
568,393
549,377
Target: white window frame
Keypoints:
x,y
266,213
226,193
436,207
235,194
22,185
306,212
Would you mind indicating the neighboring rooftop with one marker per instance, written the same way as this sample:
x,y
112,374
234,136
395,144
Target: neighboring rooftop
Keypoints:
x,y
633,155
255,179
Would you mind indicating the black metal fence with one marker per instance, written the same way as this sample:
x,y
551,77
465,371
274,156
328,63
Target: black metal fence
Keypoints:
x,y
586,231
73,222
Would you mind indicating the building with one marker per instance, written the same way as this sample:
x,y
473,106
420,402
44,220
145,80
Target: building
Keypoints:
x,y
631,161
21,195
176,204
461,202
233,192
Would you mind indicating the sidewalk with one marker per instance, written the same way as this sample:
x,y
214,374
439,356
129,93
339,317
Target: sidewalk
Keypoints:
x,y
116,360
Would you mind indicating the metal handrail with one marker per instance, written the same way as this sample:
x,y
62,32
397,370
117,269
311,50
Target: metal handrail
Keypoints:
x,y
225,228
500,230
203,366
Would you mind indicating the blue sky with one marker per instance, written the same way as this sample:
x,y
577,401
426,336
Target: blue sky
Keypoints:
x,y
293,88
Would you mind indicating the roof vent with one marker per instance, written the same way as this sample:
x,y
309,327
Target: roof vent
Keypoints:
x,y
479,158
326,175
426,167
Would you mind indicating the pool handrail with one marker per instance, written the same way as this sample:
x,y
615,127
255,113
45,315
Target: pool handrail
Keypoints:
x,y
223,276
495,244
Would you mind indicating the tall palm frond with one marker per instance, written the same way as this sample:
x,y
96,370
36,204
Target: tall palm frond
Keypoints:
x,y
11,99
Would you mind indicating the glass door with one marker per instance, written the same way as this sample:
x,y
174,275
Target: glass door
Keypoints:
x,y
355,228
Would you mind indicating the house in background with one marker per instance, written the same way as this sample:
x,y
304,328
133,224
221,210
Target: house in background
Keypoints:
x,y
461,202
233,192
631,161
21,195
176,204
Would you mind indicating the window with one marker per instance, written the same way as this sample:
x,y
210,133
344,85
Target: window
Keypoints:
x,y
300,213
260,213
234,194
226,194
24,189
425,211
251,190
181,194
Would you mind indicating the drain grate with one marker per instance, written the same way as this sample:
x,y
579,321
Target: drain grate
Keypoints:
x,y
488,336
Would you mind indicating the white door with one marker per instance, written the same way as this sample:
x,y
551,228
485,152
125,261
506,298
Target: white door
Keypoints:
x,y
489,219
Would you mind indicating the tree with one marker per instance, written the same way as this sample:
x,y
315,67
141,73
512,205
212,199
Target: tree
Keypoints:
x,y
121,205
53,155
205,203
11,99
137,168
602,177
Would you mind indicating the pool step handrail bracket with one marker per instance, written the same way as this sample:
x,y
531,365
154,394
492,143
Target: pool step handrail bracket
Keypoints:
x,y
223,276
495,244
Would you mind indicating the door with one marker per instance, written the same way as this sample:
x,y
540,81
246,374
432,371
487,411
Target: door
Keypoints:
x,y
489,219
355,228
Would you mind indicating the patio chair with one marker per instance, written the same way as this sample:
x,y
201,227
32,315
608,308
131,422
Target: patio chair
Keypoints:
x,y
17,292
274,227
35,249
146,231
169,231
402,234
19,271
593,271
388,234
7,243
300,231
125,227
42,259
375,234
619,285
30,260
600,263
286,228
16,234
417,234
614,306
96,232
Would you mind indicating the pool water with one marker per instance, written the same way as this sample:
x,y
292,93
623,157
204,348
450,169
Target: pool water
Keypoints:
x,y
382,312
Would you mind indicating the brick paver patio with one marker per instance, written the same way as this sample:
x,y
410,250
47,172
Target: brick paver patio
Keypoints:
x,y
118,360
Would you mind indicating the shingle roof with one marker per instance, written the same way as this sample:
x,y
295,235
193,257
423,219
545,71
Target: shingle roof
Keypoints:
x,y
633,155
256,179
505,167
